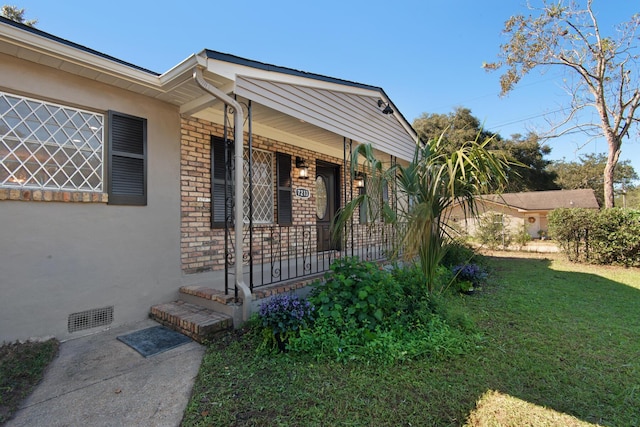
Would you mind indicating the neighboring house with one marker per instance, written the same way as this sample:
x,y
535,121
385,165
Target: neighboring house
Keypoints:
x,y
530,208
117,184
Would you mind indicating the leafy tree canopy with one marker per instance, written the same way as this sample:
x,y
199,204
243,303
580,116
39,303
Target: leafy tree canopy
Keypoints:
x,y
530,172
588,173
16,14
527,171
601,66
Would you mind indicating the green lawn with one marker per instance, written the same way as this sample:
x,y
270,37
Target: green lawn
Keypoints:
x,y
561,347
22,366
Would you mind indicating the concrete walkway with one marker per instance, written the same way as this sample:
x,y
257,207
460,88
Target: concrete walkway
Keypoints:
x,y
100,381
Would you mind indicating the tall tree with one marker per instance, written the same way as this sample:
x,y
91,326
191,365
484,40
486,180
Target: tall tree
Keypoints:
x,y
15,14
453,129
588,173
603,68
530,171
527,171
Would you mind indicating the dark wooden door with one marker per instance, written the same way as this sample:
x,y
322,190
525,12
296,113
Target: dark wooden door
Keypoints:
x,y
327,202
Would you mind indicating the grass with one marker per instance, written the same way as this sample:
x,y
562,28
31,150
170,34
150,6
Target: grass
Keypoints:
x,y
21,368
561,347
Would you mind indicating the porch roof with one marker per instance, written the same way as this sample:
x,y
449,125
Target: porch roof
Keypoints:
x,y
294,106
545,200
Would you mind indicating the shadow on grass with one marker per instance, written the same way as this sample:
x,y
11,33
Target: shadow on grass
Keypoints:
x,y
566,340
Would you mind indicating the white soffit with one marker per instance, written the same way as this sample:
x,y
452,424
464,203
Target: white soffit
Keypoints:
x,y
352,115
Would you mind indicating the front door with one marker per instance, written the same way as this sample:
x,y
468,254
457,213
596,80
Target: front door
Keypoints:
x,y
327,203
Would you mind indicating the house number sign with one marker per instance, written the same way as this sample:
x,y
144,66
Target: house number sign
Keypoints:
x,y
303,193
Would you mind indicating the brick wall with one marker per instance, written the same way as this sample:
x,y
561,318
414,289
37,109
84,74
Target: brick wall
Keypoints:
x,y
37,195
202,248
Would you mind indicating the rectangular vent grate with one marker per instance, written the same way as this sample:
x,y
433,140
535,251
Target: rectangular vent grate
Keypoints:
x,y
90,319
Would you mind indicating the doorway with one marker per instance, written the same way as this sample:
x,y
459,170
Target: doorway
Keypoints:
x,y
327,204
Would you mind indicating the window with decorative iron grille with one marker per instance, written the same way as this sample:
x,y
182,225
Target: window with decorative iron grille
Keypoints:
x,y
262,174
49,146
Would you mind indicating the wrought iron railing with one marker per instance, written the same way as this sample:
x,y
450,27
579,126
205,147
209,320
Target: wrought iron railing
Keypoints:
x,y
274,253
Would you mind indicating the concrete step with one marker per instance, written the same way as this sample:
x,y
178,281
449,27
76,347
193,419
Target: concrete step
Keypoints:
x,y
192,320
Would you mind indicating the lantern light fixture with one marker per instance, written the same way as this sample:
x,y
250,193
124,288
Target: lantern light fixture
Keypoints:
x,y
303,168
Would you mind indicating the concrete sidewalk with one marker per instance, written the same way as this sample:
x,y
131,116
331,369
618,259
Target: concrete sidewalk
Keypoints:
x,y
100,381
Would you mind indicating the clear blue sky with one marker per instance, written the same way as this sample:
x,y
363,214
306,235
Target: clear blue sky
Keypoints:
x,y
425,54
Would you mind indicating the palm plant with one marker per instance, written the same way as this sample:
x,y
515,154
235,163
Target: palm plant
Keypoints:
x,y
426,190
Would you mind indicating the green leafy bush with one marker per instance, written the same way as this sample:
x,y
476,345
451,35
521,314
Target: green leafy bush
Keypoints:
x,y
522,236
493,231
609,236
458,252
571,227
615,237
380,315
362,292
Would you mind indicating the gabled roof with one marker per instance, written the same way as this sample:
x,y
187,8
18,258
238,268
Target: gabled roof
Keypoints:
x,y
546,200
293,106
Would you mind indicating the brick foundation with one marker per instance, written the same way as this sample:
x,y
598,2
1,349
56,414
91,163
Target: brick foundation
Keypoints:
x,y
27,195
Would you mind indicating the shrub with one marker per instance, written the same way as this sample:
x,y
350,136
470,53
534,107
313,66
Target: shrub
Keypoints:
x,y
362,292
609,236
493,231
282,316
570,227
522,236
378,316
615,237
458,252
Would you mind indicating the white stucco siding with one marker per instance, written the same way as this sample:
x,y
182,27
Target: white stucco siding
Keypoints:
x,y
58,258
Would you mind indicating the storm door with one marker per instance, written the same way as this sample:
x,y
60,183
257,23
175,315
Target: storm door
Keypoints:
x,y
327,191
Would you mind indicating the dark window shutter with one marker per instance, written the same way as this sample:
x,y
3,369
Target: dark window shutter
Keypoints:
x,y
127,170
285,192
221,178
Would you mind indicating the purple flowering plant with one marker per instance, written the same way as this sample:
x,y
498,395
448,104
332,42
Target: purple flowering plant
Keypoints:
x,y
286,313
469,273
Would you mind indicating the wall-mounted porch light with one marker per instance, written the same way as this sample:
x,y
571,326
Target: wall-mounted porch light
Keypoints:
x,y
387,109
303,168
358,179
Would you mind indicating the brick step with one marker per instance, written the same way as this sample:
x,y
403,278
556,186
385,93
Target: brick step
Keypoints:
x,y
219,296
192,320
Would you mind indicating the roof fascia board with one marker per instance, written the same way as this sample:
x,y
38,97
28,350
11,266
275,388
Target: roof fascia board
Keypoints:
x,y
46,44
181,72
228,58
503,204
231,71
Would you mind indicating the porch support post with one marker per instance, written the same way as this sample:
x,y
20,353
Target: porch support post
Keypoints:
x,y
238,144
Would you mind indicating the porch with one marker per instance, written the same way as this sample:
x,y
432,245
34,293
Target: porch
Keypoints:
x,y
281,260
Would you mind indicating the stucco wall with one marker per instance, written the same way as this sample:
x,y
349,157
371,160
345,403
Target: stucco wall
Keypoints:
x,y
58,258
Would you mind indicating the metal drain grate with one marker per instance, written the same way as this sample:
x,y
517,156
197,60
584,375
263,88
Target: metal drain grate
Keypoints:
x,y
90,319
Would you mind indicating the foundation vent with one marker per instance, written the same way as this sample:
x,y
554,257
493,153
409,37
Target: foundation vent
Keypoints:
x,y
90,319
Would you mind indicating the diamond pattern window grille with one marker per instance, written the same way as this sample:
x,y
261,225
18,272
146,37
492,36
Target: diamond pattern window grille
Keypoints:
x,y
262,171
49,146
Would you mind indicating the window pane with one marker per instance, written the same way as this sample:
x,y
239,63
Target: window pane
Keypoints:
x,y
45,138
262,178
